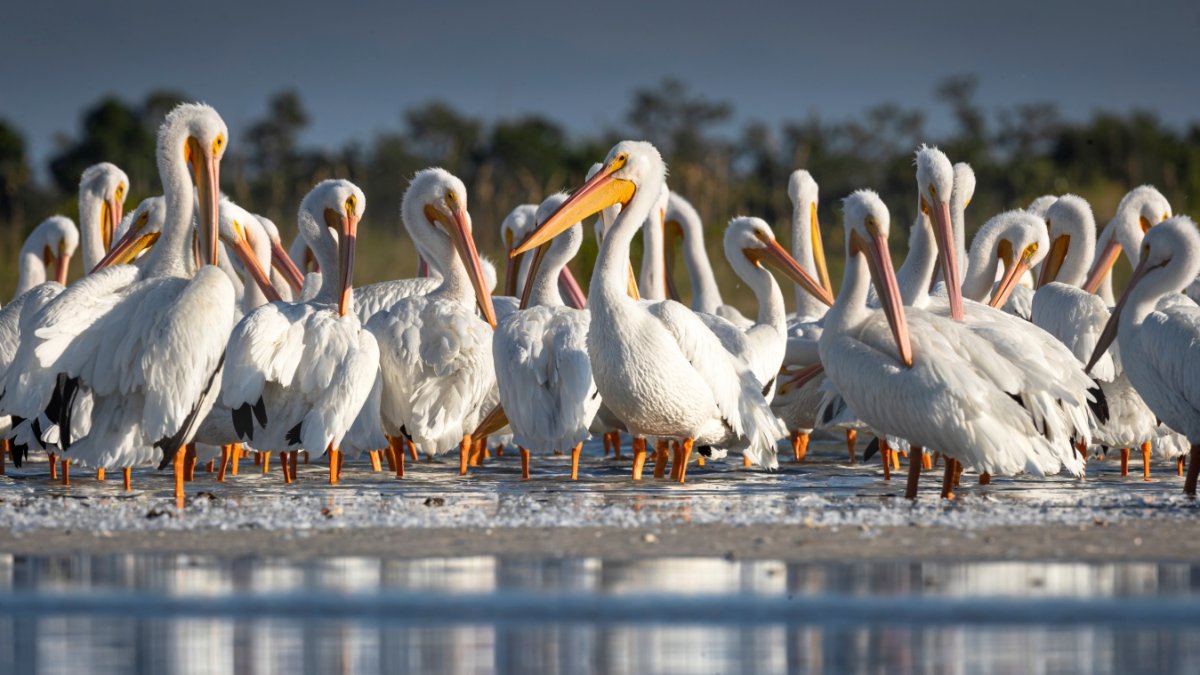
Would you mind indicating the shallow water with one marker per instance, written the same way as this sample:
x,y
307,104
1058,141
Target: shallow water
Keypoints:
x,y
200,614
825,490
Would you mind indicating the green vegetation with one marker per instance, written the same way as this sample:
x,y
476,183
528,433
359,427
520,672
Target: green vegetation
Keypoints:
x,y
1018,153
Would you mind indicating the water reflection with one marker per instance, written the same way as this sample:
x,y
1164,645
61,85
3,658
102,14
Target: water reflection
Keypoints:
x,y
189,614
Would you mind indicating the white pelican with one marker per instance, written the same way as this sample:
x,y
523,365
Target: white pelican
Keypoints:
x,y
297,375
516,225
942,387
540,352
1039,205
1076,317
1052,385
53,241
102,191
286,278
663,374
147,343
797,401
1157,340
1139,209
435,351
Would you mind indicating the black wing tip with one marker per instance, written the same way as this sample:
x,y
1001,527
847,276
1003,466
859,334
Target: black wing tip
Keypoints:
x,y
293,435
1099,402
872,449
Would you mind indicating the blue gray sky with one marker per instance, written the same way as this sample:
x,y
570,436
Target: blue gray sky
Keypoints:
x,y
359,64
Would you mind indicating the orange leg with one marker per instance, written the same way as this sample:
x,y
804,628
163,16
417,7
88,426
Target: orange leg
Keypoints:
x,y
376,464
1081,448
746,460
335,457
948,479
4,450
660,459
127,478
985,478
575,452
100,475
1146,461
676,459
180,468
398,453
886,451
66,471
235,458
265,458
799,445
294,458
226,451
389,455
1179,465
464,449
412,449
639,457
607,444
685,453
851,442
190,463
210,467
958,469
926,461
616,444
286,466
53,466
700,461
524,462
1124,461
895,460
258,459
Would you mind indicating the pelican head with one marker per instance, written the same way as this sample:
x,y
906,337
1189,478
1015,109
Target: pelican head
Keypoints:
x,y
1071,223
867,224
628,165
280,260
103,187
516,226
1019,241
753,240
1169,260
805,194
935,186
434,210
137,232
54,240
329,217
195,133
244,235
1140,209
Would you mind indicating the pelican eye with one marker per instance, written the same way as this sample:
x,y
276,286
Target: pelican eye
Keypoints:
x,y
1031,249
218,143
120,191
351,204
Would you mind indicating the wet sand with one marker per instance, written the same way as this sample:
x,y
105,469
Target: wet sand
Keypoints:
x,y
1112,542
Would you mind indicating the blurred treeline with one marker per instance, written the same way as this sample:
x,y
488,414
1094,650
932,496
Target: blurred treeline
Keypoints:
x,y
1018,153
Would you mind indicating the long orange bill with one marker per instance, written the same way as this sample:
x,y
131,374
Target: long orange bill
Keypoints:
x,y
1108,258
534,266
110,217
1012,277
776,256
283,263
459,228
888,290
127,248
241,248
631,286
1054,260
1109,334
61,263
347,242
493,422
570,289
801,378
818,248
601,191
206,170
944,234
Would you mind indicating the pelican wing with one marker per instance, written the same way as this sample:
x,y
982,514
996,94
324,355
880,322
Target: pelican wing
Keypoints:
x,y
1169,336
1076,319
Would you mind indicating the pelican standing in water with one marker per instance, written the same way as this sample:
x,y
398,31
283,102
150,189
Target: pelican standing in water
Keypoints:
x,y
942,386
663,374
435,350
147,343
1157,339
297,375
